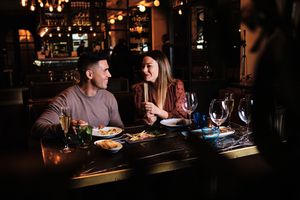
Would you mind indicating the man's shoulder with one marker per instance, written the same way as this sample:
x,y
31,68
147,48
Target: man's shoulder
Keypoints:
x,y
106,93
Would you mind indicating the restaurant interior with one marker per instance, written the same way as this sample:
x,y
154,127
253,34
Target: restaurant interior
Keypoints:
x,y
214,46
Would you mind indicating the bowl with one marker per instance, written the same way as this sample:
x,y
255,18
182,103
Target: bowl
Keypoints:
x,y
109,145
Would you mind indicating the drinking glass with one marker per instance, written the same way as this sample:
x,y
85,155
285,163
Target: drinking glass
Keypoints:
x,y
218,112
230,104
190,104
245,110
65,122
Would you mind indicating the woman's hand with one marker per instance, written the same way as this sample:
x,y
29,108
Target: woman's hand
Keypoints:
x,y
149,118
153,109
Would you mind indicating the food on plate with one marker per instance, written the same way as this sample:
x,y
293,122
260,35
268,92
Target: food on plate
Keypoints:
x,y
108,144
224,129
140,136
109,131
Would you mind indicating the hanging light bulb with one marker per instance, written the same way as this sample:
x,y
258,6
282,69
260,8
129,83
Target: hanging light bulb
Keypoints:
x,y
58,4
112,21
51,8
23,3
180,12
32,8
156,3
59,8
120,17
142,8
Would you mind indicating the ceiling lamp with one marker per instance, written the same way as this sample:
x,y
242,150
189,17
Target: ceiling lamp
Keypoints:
x,y
46,4
156,3
142,8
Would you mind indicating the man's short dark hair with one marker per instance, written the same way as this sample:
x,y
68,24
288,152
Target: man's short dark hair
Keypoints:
x,y
89,58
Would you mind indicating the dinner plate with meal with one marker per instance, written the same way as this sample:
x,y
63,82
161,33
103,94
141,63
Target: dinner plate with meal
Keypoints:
x,y
107,132
175,122
109,145
224,131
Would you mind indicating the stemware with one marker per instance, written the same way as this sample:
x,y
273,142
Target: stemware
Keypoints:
x,y
65,122
230,104
190,104
218,112
245,110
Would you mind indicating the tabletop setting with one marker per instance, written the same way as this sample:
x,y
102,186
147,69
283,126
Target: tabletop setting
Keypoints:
x,y
109,149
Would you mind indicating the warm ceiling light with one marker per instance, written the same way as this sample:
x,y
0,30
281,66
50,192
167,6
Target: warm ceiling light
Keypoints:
x,y
112,21
180,12
59,8
120,17
156,3
32,8
23,3
141,8
33,4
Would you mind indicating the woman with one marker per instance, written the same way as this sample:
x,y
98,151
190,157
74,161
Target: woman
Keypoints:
x,y
159,96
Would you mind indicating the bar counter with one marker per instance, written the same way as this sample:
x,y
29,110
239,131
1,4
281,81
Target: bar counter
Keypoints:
x,y
170,153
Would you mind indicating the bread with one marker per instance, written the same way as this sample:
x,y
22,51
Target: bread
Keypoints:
x,y
108,144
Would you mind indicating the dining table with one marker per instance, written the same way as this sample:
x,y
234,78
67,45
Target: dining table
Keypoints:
x,y
172,148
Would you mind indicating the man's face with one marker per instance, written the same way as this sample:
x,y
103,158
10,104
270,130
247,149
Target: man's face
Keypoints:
x,y
101,74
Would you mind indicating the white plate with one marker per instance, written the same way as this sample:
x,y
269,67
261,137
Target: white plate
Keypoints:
x,y
174,122
101,144
107,132
224,131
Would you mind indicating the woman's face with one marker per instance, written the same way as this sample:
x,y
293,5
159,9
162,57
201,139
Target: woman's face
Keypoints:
x,y
150,69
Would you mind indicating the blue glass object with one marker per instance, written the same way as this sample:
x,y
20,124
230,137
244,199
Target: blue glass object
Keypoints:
x,y
211,134
196,118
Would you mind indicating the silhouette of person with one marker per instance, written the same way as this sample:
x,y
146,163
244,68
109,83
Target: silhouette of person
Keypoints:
x,y
277,79
81,48
121,60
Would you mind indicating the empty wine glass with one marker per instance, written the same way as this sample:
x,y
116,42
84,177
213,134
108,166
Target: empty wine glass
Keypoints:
x,y
65,122
245,111
190,104
218,112
230,104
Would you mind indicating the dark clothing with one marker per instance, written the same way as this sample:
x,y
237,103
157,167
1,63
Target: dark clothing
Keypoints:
x,y
80,50
120,61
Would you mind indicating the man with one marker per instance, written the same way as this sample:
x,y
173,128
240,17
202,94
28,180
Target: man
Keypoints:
x,y
81,48
88,100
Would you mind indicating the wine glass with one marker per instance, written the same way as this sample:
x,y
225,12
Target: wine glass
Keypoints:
x,y
218,112
230,104
245,110
65,122
190,104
